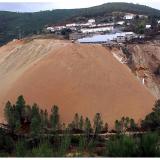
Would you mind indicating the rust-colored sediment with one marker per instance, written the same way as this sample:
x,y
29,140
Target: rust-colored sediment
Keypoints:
x,y
78,78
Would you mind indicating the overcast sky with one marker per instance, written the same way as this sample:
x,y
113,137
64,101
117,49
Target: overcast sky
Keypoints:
x,y
27,6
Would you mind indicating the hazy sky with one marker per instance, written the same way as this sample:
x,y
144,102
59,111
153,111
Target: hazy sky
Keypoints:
x,y
11,5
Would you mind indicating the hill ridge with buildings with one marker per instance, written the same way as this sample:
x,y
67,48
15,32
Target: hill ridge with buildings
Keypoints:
x,y
17,25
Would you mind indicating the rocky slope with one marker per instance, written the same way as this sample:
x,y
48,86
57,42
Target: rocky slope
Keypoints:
x,y
143,59
78,78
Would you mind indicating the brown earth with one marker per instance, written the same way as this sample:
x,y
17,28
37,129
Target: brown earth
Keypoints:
x,y
145,59
78,78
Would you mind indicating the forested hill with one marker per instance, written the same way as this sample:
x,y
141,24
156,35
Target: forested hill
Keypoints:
x,y
11,23
122,7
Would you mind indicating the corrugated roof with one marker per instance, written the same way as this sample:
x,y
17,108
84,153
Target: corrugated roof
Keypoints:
x,y
103,38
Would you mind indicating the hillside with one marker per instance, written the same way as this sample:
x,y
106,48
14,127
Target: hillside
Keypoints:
x,y
78,78
12,24
121,7
144,60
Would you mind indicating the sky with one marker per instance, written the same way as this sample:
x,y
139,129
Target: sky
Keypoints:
x,y
39,5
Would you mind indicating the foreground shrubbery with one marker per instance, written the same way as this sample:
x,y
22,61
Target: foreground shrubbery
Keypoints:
x,y
146,145
31,132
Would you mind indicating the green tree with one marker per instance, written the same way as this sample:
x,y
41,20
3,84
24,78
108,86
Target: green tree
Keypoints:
x,y
133,125
117,126
152,120
76,121
20,111
64,144
138,26
42,115
124,124
87,127
6,143
123,146
10,115
28,113
55,118
149,145
20,105
36,124
98,123
81,123
43,150
82,143
21,148
46,118
127,123
66,32
105,128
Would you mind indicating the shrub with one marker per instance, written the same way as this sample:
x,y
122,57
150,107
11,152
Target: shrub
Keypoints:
x,y
21,148
122,146
64,144
149,145
43,150
6,143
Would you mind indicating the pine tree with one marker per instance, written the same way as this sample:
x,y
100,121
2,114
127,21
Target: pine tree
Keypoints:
x,y
65,143
98,123
35,126
133,125
81,123
76,121
9,115
42,118
46,118
20,109
82,143
105,127
87,127
54,118
28,113
117,126
36,123
44,149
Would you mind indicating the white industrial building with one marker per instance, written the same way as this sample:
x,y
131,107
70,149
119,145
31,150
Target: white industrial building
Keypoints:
x,y
92,21
129,16
108,38
120,23
148,26
97,29
105,24
72,25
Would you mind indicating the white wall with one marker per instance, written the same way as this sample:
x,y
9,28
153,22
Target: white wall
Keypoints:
x,y
103,29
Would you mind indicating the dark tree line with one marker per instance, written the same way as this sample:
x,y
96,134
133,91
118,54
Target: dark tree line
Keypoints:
x,y
20,116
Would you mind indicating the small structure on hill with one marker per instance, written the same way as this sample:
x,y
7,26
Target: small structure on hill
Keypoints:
x,y
109,38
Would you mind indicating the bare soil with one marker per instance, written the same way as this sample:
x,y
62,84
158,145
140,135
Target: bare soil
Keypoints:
x,y
78,78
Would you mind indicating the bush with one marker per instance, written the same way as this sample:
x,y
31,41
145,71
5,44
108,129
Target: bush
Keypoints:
x,y
43,150
149,145
21,148
6,143
152,120
64,144
82,143
122,146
